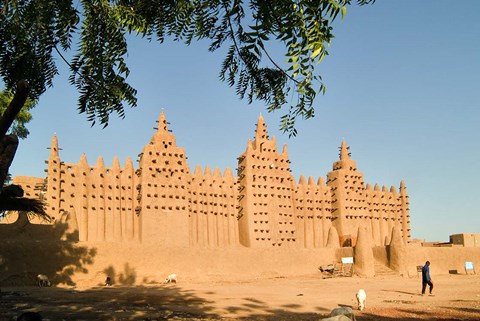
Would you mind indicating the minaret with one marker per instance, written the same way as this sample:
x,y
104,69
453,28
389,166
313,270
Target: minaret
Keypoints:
x,y
348,197
265,187
163,181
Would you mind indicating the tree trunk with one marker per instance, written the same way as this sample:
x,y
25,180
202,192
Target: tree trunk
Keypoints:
x,y
8,144
12,200
8,147
14,107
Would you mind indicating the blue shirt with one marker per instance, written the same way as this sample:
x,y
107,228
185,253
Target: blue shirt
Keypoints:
x,y
426,273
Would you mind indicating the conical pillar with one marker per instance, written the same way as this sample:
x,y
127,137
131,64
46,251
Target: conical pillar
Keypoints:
x,y
398,253
363,254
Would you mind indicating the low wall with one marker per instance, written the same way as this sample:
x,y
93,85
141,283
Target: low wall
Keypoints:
x,y
443,260
27,250
153,263
128,264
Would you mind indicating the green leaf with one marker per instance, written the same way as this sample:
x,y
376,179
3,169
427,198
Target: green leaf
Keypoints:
x,y
316,53
344,11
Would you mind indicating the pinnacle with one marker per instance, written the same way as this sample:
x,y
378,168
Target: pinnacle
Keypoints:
x,y
261,130
344,154
162,123
54,146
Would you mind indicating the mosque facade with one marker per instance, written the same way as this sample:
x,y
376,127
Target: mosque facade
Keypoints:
x,y
261,205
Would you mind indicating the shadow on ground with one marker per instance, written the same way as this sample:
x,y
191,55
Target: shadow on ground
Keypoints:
x,y
165,302
105,303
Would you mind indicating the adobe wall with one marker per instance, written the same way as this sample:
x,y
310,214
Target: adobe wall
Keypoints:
x,y
443,260
29,249
213,212
87,264
380,254
471,240
234,263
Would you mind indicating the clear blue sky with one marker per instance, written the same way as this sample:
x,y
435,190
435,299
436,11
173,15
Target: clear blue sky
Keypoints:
x,y
403,89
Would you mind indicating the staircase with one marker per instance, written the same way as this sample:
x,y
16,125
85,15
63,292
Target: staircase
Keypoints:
x,y
383,270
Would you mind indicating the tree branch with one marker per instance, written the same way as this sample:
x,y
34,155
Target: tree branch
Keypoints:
x,y
276,65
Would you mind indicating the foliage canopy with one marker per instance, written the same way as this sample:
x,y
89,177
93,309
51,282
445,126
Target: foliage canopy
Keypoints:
x,y
34,32
23,117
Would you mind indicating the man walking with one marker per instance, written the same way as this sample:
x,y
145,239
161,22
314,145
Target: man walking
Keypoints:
x,y
426,279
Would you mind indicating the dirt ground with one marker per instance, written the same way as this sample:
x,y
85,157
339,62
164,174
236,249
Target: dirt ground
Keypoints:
x,y
456,297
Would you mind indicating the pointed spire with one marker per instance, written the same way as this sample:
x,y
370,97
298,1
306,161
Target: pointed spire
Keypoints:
x,y
83,160
376,188
197,171
302,180
128,164
402,185
384,188
228,175
208,171
261,130
115,163
162,124
311,181
54,146
100,162
344,154
321,181
393,189
217,173
285,150
369,187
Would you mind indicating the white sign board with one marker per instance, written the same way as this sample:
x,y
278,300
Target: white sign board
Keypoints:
x,y
469,266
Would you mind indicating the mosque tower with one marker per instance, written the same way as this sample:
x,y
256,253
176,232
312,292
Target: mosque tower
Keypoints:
x,y
162,190
265,187
349,210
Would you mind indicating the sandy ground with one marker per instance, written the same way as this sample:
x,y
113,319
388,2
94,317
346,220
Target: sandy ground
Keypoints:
x,y
457,297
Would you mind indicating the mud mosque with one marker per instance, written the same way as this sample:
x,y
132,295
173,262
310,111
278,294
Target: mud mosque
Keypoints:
x,y
260,206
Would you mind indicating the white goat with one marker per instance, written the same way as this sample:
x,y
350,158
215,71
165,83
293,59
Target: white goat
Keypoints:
x,y
42,280
361,299
171,278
